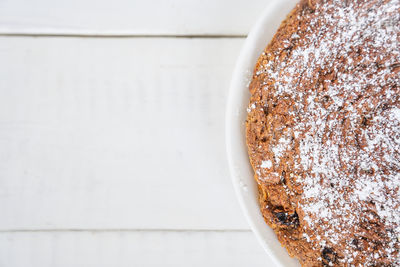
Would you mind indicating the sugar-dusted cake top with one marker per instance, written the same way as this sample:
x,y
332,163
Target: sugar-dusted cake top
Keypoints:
x,y
323,132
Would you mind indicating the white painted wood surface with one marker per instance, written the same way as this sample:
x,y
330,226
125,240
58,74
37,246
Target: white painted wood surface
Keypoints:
x,y
127,249
127,17
112,149
115,133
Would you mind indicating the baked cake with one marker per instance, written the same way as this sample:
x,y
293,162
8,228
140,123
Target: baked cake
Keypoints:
x,y
323,132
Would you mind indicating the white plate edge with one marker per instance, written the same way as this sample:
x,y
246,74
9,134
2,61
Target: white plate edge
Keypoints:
x,y
245,186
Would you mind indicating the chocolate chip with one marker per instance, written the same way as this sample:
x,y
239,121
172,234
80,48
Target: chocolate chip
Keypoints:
x,y
288,49
329,256
326,98
370,171
364,121
265,109
283,218
385,106
283,177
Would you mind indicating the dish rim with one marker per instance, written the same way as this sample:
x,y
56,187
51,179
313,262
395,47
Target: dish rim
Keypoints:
x,y
239,166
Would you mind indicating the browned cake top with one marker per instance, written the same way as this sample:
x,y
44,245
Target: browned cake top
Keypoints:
x,y
324,129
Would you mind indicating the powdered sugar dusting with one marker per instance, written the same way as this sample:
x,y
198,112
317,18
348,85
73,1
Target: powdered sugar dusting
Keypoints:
x,y
266,164
349,156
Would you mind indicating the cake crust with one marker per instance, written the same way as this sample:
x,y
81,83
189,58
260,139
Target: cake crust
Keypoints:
x,y
323,132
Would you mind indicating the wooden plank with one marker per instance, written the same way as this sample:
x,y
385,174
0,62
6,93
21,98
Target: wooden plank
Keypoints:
x,y
122,17
115,133
101,249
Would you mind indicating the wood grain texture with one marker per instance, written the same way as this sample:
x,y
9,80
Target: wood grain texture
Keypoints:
x,y
110,249
105,140
125,17
115,133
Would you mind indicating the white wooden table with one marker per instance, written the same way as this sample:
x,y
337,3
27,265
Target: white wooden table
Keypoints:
x,y
112,133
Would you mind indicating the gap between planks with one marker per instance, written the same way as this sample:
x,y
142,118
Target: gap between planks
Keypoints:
x,y
182,36
122,230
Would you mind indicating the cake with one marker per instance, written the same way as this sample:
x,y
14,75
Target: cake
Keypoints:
x,y
323,132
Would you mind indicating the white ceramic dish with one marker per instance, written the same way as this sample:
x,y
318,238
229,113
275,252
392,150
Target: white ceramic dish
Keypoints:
x,y
240,168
